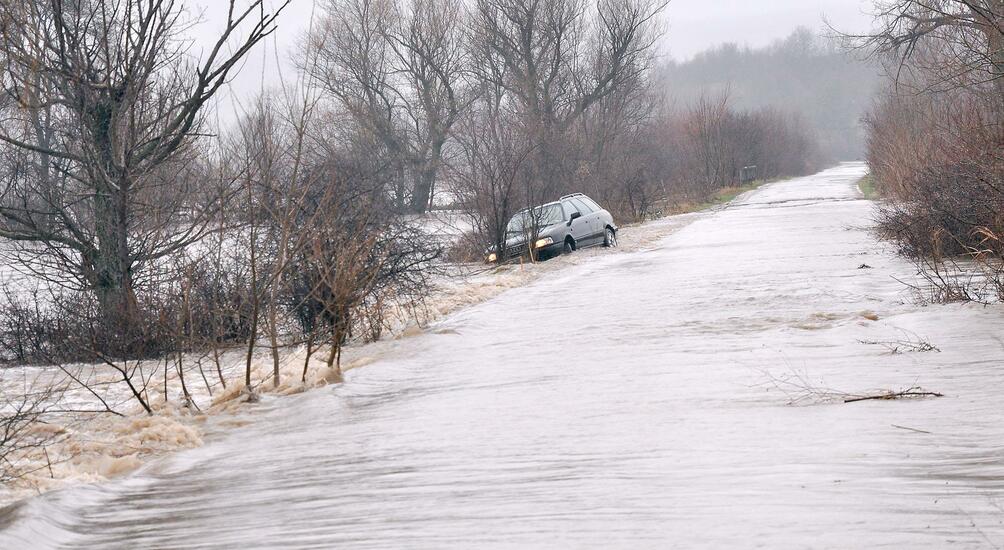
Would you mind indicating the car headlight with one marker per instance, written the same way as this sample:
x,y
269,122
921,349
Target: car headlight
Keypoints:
x,y
492,257
541,243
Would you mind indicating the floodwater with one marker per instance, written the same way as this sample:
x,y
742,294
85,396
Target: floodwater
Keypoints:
x,y
641,400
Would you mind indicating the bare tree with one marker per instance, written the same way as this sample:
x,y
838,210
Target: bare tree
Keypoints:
x,y
494,170
968,36
626,159
555,59
706,132
102,109
400,72
428,43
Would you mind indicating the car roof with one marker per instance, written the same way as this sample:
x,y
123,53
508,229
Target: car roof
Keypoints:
x,y
559,201
539,206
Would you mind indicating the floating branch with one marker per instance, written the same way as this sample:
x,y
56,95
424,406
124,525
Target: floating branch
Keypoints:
x,y
910,343
911,393
800,391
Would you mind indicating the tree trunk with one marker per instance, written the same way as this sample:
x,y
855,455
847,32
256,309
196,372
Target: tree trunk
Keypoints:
x,y
255,298
997,58
422,193
219,368
425,180
310,352
993,30
112,272
273,344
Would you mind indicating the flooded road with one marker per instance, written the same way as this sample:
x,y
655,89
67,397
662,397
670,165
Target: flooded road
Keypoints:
x,y
637,401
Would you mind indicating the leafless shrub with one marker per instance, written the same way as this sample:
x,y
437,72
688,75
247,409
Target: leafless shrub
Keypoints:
x,y
945,188
720,141
63,332
467,248
358,258
935,141
25,408
29,330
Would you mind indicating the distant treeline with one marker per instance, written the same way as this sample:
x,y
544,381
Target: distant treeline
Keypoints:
x,y
804,74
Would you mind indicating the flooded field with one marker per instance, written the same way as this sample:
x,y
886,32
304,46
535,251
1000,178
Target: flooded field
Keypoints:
x,y
689,395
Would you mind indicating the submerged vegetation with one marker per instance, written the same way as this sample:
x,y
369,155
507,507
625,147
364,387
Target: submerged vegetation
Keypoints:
x,y
935,142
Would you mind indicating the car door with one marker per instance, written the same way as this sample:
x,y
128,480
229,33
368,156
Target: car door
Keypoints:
x,y
593,230
603,217
579,227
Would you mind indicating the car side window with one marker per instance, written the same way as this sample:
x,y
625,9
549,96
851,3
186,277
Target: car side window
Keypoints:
x,y
590,203
569,209
582,206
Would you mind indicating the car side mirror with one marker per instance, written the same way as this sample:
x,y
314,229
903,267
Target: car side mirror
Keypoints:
x,y
573,217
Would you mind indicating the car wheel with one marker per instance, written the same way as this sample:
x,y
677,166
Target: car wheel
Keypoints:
x,y
610,239
569,247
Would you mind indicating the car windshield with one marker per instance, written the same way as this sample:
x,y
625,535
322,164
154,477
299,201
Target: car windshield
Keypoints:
x,y
545,216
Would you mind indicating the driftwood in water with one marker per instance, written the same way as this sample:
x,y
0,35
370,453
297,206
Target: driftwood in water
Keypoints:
x,y
910,393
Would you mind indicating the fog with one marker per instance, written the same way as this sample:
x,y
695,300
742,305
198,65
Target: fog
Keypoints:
x,y
692,26
696,25
830,92
806,74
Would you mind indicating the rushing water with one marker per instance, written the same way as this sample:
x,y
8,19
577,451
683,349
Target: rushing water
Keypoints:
x,y
623,403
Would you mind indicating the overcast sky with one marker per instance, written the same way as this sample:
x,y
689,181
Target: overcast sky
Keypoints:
x,y
695,25
691,26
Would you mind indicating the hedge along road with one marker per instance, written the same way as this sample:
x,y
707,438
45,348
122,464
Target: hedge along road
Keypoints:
x,y
639,400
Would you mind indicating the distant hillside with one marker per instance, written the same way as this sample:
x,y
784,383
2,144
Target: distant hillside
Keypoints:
x,y
803,73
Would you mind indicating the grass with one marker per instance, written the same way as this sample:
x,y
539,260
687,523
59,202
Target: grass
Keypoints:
x,y
867,187
718,198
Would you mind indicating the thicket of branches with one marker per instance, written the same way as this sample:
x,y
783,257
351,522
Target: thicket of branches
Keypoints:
x,y
146,236
936,137
716,141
